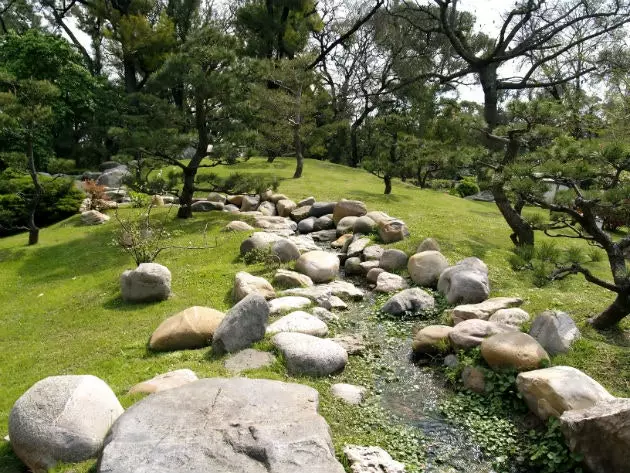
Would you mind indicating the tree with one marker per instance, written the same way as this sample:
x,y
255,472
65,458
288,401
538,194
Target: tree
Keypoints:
x,y
25,109
534,31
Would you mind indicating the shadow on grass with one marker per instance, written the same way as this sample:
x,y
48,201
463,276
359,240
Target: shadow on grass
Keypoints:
x,y
11,254
117,303
365,195
9,462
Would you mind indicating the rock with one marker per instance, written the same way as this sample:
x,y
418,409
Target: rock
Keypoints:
x,y
147,283
162,382
238,226
473,263
275,198
289,279
205,206
307,225
332,302
323,223
216,197
465,283
285,207
387,282
283,304
192,328
474,380
62,419
372,275
367,266
250,203
308,201
93,217
219,425
252,213
346,290
549,392
267,208
324,314
371,460
352,266
353,344
514,316
308,355
259,241
274,224
245,284
373,253
248,359
393,260
451,361
470,333
266,195
349,393
300,213
231,208
346,225
235,200
392,231
348,208
341,241
432,340
483,196
555,331
364,225
425,268
104,166
357,246
285,250
305,243
413,300
319,209
601,434
378,217
300,322
243,325
157,201
429,244
324,235
320,266
515,350
113,177
483,310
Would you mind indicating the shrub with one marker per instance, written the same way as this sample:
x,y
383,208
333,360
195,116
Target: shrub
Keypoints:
x,y
441,184
468,186
60,166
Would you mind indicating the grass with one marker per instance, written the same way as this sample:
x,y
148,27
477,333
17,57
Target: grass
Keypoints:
x,y
62,312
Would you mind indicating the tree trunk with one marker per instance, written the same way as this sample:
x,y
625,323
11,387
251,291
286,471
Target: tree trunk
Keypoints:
x,y
270,159
488,80
186,197
33,230
131,81
619,309
354,147
298,153
523,233
388,184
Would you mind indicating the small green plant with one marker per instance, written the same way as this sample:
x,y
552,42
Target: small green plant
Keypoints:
x,y
468,186
139,200
264,255
60,166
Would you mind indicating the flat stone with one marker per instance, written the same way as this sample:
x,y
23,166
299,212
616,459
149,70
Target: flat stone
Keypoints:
x,y
307,201
259,241
300,213
248,359
513,316
483,310
287,303
324,314
354,344
206,206
319,209
348,393
341,241
432,340
371,460
367,266
356,247
308,355
238,226
162,382
324,235
304,243
300,322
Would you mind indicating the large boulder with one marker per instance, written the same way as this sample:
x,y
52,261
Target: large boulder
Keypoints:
x,y
223,425
484,309
243,325
425,268
432,340
309,355
285,250
285,207
465,283
470,333
555,331
392,231
549,392
307,225
250,203
346,225
371,460
163,382
393,259
320,266
147,283
364,225
513,350
267,208
62,419
246,284
388,282
259,241
318,209
367,266
274,224
114,177
192,328
323,223
601,434
412,300
300,322
289,279
93,217
348,208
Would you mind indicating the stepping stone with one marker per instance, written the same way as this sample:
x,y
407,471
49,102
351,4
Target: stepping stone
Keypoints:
x,y
300,322
162,382
248,359
283,304
349,393
308,355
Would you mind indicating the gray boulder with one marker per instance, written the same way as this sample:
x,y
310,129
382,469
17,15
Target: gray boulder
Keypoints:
x,y
373,253
320,266
307,225
364,225
465,283
113,177
162,382
259,241
300,322
372,275
357,246
484,309
250,203
393,260
555,331
412,300
352,266
289,279
324,235
319,209
309,355
425,268
367,266
147,283
287,303
207,206
285,250
219,425
323,223
512,316
346,225
387,282
300,213
429,244
243,325
62,419
470,333
268,209
238,226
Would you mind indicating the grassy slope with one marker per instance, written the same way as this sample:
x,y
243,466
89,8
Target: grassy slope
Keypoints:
x,y
62,314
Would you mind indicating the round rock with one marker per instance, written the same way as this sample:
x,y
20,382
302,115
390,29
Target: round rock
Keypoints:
x,y
393,260
432,340
308,355
515,350
425,268
300,322
149,282
187,330
320,266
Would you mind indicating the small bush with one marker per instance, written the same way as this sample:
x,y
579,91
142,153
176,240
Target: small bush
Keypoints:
x,y
139,200
60,166
468,186
441,184
262,255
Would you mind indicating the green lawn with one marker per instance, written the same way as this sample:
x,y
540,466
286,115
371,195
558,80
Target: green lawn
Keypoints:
x,y
62,313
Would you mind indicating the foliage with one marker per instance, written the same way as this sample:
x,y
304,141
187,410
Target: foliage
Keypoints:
x,y
60,166
264,256
96,194
468,186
